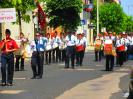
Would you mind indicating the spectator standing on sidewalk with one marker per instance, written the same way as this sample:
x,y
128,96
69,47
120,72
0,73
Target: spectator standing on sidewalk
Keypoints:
x,y
7,46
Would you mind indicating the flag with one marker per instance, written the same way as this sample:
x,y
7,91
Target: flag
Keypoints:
x,y
41,17
86,1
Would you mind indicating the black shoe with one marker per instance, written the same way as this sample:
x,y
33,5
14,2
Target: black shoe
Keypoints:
x,y
3,84
73,68
22,69
66,67
107,70
9,84
39,77
16,69
33,77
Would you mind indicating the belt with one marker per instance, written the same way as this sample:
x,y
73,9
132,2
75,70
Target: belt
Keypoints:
x,y
39,52
7,53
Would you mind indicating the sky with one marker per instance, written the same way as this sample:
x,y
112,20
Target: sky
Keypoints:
x,y
127,6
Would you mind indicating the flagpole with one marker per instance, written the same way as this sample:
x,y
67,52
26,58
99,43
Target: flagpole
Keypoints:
x,y
36,3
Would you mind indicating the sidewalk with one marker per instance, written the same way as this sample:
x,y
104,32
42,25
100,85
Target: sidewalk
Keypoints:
x,y
100,88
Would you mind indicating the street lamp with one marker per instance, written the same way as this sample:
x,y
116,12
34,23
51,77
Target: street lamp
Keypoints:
x,y
97,17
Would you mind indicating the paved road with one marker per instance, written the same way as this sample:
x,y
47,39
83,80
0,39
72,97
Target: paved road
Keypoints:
x,y
57,81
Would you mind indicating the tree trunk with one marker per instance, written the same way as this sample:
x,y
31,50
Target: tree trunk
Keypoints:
x,y
19,20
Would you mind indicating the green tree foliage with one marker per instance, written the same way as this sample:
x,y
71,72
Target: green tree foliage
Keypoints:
x,y
108,1
22,6
129,24
64,13
112,17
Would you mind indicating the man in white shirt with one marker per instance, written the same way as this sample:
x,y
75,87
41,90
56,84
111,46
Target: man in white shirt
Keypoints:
x,y
38,46
70,50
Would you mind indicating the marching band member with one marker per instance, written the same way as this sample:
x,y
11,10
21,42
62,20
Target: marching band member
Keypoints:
x,y
126,44
62,46
80,47
20,53
85,42
70,49
108,50
7,46
56,51
38,46
120,48
98,45
48,49
130,44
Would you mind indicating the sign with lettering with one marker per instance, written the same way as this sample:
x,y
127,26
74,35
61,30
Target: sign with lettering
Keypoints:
x,y
7,15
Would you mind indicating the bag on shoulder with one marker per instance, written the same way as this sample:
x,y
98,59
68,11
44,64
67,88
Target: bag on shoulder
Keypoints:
x,y
98,44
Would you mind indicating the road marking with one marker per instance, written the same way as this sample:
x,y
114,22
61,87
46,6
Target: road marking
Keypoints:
x,y
79,69
11,91
23,78
19,78
99,65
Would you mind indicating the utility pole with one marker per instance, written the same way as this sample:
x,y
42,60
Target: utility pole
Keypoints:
x,y
97,17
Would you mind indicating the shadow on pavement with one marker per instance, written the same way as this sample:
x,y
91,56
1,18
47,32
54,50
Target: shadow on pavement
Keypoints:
x,y
123,85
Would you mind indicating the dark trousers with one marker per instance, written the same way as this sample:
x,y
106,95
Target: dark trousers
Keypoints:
x,y
48,57
98,55
7,65
79,57
70,54
120,58
18,58
63,54
109,62
53,55
37,61
58,54
125,58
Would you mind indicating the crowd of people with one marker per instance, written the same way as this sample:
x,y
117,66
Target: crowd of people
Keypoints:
x,y
46,49
113,47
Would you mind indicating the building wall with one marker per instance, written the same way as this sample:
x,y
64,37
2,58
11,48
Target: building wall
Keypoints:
x,y
27,29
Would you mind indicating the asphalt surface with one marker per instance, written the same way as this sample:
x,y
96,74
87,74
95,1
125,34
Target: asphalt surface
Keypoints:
x,y
56,80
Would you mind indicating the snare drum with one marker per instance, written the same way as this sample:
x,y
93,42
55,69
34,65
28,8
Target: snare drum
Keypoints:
x,y
48,47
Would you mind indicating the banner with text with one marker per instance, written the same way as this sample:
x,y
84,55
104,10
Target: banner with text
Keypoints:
x,y
7,15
